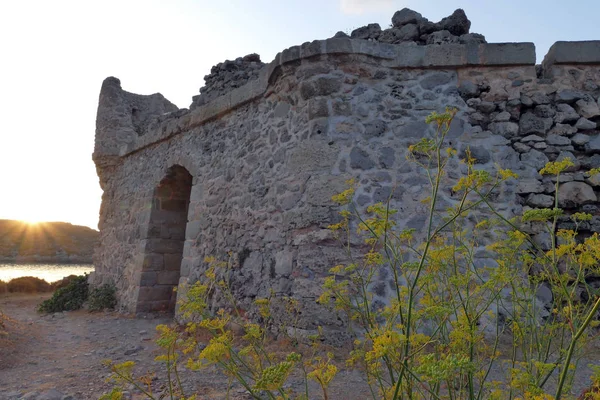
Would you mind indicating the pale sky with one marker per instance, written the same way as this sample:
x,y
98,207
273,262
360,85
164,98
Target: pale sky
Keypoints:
x,y
55,54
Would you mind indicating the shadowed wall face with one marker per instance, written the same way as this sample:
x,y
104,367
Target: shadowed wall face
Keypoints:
x,y
166,237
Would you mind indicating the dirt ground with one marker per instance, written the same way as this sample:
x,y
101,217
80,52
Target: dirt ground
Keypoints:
x,y
59,356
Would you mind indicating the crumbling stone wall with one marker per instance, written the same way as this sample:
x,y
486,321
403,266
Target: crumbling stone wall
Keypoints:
x,y
266,157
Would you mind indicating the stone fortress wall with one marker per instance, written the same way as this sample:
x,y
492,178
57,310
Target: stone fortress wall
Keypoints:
x,y
251,167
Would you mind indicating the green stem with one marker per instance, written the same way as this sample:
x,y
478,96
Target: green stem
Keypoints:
x,y
565,369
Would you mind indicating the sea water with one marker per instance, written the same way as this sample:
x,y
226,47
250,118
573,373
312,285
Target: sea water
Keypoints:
x,y
48,272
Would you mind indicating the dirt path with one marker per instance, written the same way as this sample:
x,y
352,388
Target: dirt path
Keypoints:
x,y
59,356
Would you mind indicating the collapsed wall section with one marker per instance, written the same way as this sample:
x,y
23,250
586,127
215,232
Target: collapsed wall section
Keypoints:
x,y
266,158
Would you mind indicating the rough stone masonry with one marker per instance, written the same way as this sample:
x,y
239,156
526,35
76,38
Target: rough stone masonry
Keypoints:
x,y
251,167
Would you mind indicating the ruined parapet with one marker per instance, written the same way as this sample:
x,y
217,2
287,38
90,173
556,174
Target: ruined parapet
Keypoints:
x,y
227,76
410,26
265,158
122,117
574,62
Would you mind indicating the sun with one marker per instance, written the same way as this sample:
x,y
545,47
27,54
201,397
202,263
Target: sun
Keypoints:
x,y
31,222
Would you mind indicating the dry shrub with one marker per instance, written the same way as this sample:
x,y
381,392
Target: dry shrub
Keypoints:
x,y
3,287
63,282
28,284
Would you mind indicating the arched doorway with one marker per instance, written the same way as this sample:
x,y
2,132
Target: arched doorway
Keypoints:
x,y
164,242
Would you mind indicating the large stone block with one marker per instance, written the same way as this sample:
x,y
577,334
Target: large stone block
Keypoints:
x,y
172,262
167,278
148,278
155,293
582,52
153,262
164,246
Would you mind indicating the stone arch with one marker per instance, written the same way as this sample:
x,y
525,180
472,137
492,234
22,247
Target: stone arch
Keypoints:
x,y
165,240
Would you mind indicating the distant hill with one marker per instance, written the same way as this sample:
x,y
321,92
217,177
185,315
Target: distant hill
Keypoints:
x,y
52,242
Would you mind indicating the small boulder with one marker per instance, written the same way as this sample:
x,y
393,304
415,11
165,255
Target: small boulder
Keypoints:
x,y
535,159
563,130
568,96
407,33
442,37
529,185
506,128
587,108
457,24
580,139
593,145
539,98
574,194
371,31
565,113
540,200
406,16
585,124
468,89
341,34
556,140
470,38
530,123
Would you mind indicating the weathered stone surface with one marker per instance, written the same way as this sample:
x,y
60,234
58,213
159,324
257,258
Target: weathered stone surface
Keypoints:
x,y
563,130
530,123
504,116
565,113
580,139
51,394
582,52
371,31
405,16
593,144
556,140
442,37
432,81
593,180
528,185
587,108
532,138
226,76
535,159
544,111
540,200
359,159
585,124
472,38
568,96
457,23
468,89
506,129
320,86
591,162
521,148
375,128
539,98
574,194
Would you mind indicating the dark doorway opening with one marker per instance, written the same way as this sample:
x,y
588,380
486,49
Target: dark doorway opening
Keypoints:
x,y
165,241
